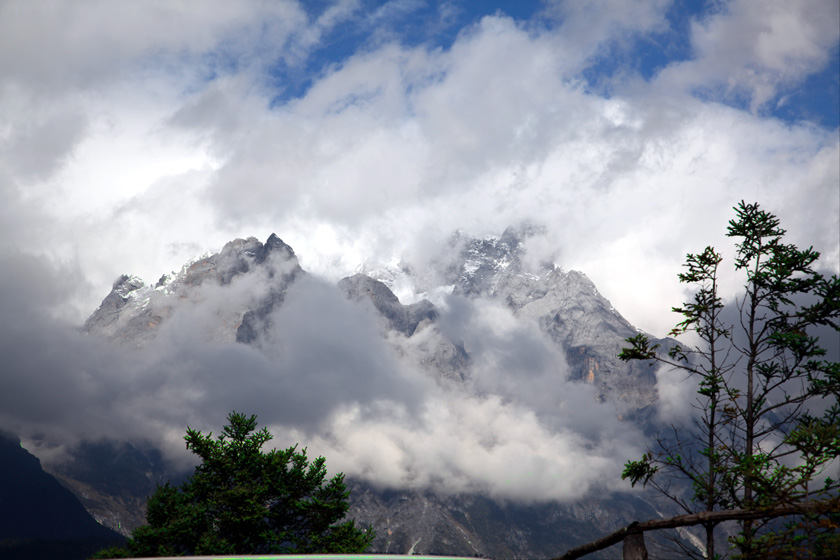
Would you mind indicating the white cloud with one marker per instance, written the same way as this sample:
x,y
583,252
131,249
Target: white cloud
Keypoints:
x,y
397,142
467,443
758,50
54,45
589,30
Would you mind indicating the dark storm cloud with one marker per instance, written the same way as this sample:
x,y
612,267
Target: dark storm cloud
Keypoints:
x,y
50,372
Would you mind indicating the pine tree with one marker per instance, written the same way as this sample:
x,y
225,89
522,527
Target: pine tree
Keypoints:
x,y
242,500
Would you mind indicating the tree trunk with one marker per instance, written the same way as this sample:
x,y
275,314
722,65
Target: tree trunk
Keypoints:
x,y
710,540
634,547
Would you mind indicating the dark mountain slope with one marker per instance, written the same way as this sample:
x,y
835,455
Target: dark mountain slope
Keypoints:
x,y
40,518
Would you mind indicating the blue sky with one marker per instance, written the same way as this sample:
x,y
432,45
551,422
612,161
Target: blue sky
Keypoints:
x,y
815,99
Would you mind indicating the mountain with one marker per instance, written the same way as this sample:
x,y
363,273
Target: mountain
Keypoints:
x,y
247,284
40,518
566,305
113,479
133,311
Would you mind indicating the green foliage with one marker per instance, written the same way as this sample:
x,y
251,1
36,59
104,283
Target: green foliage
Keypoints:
x,y
112,552
640,471
241,500
811,536
754,442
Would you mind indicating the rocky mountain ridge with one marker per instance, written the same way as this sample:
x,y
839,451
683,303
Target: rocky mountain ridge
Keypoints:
x,y
567,305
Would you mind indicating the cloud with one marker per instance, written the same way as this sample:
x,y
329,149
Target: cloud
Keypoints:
x,y
474,444
325,378
39,149
741,50
590,30
55,45
63,385
516,428
396,142
400,141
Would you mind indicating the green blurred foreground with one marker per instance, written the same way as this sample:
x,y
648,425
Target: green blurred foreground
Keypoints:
x,y
314,557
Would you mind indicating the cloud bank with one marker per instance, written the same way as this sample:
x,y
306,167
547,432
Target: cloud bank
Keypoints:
x,y
324,377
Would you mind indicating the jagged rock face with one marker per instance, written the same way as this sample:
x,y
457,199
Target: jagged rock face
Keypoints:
x,y
402,318
133,312
569,308
485,263
109,310
281,277
566,305
420,341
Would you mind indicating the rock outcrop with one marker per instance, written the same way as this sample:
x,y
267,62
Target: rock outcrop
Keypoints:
x,y
401,318
134,311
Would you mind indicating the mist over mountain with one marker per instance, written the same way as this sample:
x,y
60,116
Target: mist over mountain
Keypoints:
x,y
489,399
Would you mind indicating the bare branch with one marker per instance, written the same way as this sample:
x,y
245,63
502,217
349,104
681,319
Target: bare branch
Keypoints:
x,y
702,518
